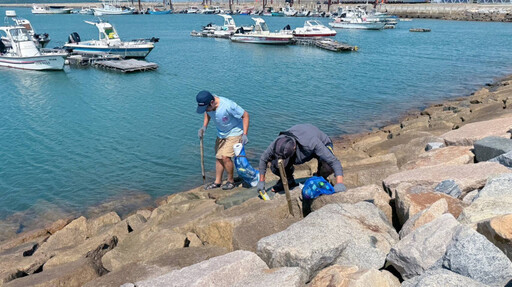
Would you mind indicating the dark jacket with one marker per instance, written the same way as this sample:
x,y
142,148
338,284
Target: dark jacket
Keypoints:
x,y
311,143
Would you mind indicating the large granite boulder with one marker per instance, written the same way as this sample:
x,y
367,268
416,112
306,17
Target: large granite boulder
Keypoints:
x,y
468,176
493,200
472,132
354,234
353,276
369,170
491,147
441,277
371,193
423,248
470,254
453,155
498,230
412,199
423,217
233,269
240,227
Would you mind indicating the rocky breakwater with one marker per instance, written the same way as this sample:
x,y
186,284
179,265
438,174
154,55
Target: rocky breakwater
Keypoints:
x,y
446,11
429,204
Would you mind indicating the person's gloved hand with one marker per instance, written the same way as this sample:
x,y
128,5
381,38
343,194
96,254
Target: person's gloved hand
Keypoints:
x,y
245,140
340,187
201,132
260,186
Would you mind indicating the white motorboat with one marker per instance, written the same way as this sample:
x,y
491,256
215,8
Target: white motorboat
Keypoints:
x,y
313,28
110,43
18,50
86,11
261,35
357,19
227,29
40,9
113,7
41,40
289,11
192,10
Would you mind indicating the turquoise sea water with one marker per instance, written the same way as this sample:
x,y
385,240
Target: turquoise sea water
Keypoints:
x,y
74,139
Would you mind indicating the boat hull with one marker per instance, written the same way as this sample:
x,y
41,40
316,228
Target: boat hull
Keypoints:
x,y
38,63
305,35
261,40
160,12
360,26
127,52
101,12
52,11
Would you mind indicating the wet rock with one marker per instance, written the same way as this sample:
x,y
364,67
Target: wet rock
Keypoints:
x,y
423,217
498,230
493,200
491,147
355,234
423,248
441,277
472,132
225,270
470,254
353,276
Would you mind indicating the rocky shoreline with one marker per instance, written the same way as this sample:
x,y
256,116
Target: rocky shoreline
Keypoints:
x,y
410,217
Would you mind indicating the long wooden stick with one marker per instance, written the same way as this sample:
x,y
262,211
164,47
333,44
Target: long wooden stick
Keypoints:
x,y
202,159
284,180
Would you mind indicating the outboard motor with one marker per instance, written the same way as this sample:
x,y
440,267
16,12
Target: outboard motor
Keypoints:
x,y
154,39
287,28
74,38
240,31
3,49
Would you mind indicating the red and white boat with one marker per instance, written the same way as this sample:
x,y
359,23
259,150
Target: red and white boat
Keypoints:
x,y
261,35
313,28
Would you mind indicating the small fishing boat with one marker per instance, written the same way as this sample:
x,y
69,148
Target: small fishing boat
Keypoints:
x,y
357,19
86,11
110,43
41,40
289,11
192,10
261,35
113,7
313,28
159,11
18,50
40,9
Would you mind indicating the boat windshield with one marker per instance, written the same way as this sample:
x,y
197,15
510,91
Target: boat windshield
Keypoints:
x,y
19,35
263,26
111,34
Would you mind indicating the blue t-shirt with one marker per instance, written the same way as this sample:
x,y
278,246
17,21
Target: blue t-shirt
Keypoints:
x,y
228,118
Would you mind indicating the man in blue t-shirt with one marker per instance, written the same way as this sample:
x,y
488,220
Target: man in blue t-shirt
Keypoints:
x,y
232,124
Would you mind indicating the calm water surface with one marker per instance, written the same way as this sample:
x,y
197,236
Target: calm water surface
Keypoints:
x,y
74,139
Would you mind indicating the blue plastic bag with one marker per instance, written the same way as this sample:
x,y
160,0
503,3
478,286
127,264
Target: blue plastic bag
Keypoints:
x,y
243,167
316,186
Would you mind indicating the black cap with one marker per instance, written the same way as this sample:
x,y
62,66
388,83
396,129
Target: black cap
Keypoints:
x,y
284,147
203,98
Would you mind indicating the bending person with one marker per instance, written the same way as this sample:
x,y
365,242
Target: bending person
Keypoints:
x,y
298,145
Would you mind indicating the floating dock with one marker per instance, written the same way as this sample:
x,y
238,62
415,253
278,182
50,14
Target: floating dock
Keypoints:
x,y
325,43
111,62
419,30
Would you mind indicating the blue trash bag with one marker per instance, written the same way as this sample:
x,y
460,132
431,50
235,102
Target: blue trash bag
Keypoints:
x,y
243,167
316,186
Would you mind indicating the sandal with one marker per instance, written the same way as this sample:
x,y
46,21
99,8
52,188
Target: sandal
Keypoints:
x,y
278,187
228,186
212,186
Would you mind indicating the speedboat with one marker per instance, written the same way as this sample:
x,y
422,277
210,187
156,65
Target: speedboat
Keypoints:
x,y
18,50
227,29
261,35
289,11
110,43
192,10
313,28
86,11
40,9
41,40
